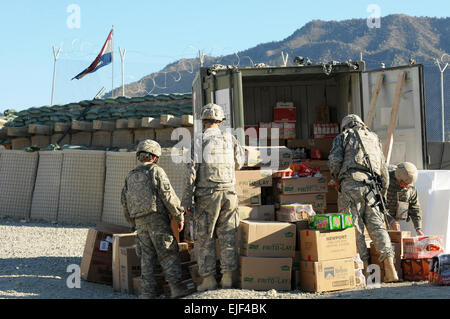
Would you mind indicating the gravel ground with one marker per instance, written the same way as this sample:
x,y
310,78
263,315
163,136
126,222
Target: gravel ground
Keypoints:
x,y
34,258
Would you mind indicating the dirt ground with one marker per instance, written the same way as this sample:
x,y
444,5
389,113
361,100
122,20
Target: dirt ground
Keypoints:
x,y
34,258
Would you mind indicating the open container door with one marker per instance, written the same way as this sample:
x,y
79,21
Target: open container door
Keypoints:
x,y
382,90
223,87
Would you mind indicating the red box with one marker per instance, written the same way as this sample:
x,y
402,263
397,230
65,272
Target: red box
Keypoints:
x,y
416,269
285,114
422,246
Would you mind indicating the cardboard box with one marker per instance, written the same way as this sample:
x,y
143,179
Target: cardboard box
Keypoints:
x,y
422,246
321,164
397,258
416,269
301,185
327,275
253,178
284,114
398,235
248,196
96,263
130,267
318,201
119,240
267,239
263,212
260,273
289,131
324,145
317,245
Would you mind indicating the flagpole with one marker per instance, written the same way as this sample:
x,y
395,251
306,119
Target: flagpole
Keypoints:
x,y
55,58
122,57
112,62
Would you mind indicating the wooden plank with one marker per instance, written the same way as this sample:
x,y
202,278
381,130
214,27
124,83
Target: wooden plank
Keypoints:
x,y
121,123
61,127
82,126
103,125
170,120
39,129
18,131
373,100
134,123
187,120
391,127
151,122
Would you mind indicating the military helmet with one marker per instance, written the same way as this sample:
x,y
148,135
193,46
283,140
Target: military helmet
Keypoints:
x,y
149,146
350,120
213,111
406,172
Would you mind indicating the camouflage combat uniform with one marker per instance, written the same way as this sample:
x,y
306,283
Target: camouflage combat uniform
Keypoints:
x,y
408,195
348,167
216,203
148,200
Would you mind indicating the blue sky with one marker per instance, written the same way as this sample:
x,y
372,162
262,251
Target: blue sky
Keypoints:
x,y
155,33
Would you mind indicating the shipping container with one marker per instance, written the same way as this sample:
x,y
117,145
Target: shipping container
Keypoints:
x,y
249,95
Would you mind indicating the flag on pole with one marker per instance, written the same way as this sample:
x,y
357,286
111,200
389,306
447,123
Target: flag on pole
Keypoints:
x,y
103,58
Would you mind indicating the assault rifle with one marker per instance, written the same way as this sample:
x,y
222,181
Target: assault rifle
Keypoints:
x,y
374,182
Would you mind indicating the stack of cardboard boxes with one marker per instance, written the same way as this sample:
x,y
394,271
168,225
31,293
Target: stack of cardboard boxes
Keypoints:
x,y
266,254
327,259
250,185
301,190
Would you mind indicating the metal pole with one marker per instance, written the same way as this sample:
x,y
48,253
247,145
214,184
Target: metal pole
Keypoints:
x,y
55,57
442,93
122,57
112,62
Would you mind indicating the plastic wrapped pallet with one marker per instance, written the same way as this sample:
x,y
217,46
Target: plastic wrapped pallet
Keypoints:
x,y
44,205
18,173
82,184
118,164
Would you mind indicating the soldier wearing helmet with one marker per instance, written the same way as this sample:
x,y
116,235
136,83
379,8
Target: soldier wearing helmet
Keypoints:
x,y
402,200
210,190
350,169
149,202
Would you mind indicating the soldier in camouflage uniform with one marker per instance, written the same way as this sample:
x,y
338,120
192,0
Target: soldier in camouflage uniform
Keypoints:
x,y
402,200
148,202
350,170
211,184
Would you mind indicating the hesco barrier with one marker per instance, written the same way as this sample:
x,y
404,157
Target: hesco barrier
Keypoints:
x,y
17,177
82,182
118,164
44,205
74,186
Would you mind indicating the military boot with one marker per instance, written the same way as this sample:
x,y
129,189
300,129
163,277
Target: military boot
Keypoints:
x,y
227,280
209,283
147,296
390,274
177,291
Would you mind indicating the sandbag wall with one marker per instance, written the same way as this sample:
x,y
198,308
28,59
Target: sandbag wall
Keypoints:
x,y
73,186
